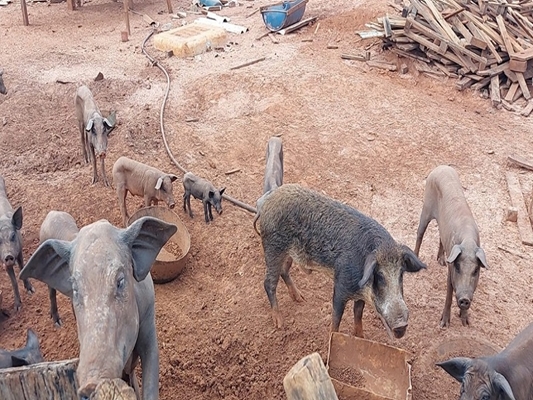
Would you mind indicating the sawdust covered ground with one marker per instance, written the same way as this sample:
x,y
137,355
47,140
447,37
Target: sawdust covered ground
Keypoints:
x,y
364,136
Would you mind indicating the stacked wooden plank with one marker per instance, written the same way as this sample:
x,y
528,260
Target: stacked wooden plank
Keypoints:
x,y
486,45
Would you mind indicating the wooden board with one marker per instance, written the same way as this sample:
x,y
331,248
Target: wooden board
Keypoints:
x,y
308,379
56,379
517,200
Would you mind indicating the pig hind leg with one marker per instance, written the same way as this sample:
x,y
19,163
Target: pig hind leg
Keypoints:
x,y
274,265
422,226
358,307
54,313
122,192
293,290
187,203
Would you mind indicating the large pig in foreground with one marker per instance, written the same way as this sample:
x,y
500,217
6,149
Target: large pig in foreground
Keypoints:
x,y
3,89
11,242
29,354
106,272
445,201
94,130
366,263
507,375
141,180
57,225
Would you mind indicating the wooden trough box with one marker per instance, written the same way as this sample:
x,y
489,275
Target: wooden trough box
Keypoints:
x,y
362,369
55,381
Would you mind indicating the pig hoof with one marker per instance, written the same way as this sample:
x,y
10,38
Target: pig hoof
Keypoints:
x,y
358,333
445,322
30,289
58,323
441,261
18,307
278,323
296,295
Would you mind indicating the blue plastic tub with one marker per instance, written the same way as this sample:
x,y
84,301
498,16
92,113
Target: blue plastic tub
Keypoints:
x,y
281,15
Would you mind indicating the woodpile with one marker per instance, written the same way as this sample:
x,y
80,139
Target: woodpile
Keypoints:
x,y
486,45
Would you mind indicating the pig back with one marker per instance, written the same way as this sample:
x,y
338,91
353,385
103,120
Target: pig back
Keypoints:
x,y
58,225
444,194
324,230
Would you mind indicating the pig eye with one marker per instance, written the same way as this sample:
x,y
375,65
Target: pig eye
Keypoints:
x,y
380,279
121,282
12,237
485,397
476,271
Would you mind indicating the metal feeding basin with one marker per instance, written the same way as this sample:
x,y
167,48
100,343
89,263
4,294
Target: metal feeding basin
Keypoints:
x,y
362,369
172,258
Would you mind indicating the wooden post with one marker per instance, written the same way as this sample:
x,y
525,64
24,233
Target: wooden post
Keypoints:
x,y
308,379
25,18
56,379
127,16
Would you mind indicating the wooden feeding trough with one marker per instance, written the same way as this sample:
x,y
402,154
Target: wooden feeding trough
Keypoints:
x,y
172,258
281,15
362,369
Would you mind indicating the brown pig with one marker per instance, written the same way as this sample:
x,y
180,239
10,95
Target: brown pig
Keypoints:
x,y
445,201
11,242
94,130
107,272
57,225
141,180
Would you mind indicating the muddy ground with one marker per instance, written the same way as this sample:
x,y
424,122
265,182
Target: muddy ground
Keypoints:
x,y
366,137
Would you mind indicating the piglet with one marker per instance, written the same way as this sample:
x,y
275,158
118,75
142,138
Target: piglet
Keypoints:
x,y
507,375
11,242
203,190
94,130
141,180
29,354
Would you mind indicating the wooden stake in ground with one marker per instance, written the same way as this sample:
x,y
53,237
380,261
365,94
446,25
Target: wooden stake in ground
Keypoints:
x,y
249,62
24,9
517,199
308,379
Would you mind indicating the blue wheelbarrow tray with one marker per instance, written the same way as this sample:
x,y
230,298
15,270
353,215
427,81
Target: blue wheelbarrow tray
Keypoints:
x,y
281,15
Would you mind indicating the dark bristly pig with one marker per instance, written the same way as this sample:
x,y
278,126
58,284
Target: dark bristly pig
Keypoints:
x,y
106,270
94,130
507,375
141,180
11,242
203,190
29,354
320,233
445,201
57,225
3,89
273,173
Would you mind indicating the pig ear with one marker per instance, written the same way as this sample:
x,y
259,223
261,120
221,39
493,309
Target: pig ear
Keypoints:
x,y
16,220
89,125
411,262
368,270
32,341
456,367
502,386
158,183
172,178
456,250
111,120
18,362
480,254
222,191
145,237
49,264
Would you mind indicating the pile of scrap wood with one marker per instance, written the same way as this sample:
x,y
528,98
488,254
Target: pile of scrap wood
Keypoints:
x,y
487,45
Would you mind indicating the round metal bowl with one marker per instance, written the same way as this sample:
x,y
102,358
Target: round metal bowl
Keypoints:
x,y
167,265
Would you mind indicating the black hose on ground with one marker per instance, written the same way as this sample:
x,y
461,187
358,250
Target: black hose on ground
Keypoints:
x,y
169,152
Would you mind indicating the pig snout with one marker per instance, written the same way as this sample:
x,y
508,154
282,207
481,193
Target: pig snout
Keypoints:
x,y
463,302
399,331
9,260
86,391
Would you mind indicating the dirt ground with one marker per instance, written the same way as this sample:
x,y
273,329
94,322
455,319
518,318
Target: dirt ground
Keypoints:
x,y
363,136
